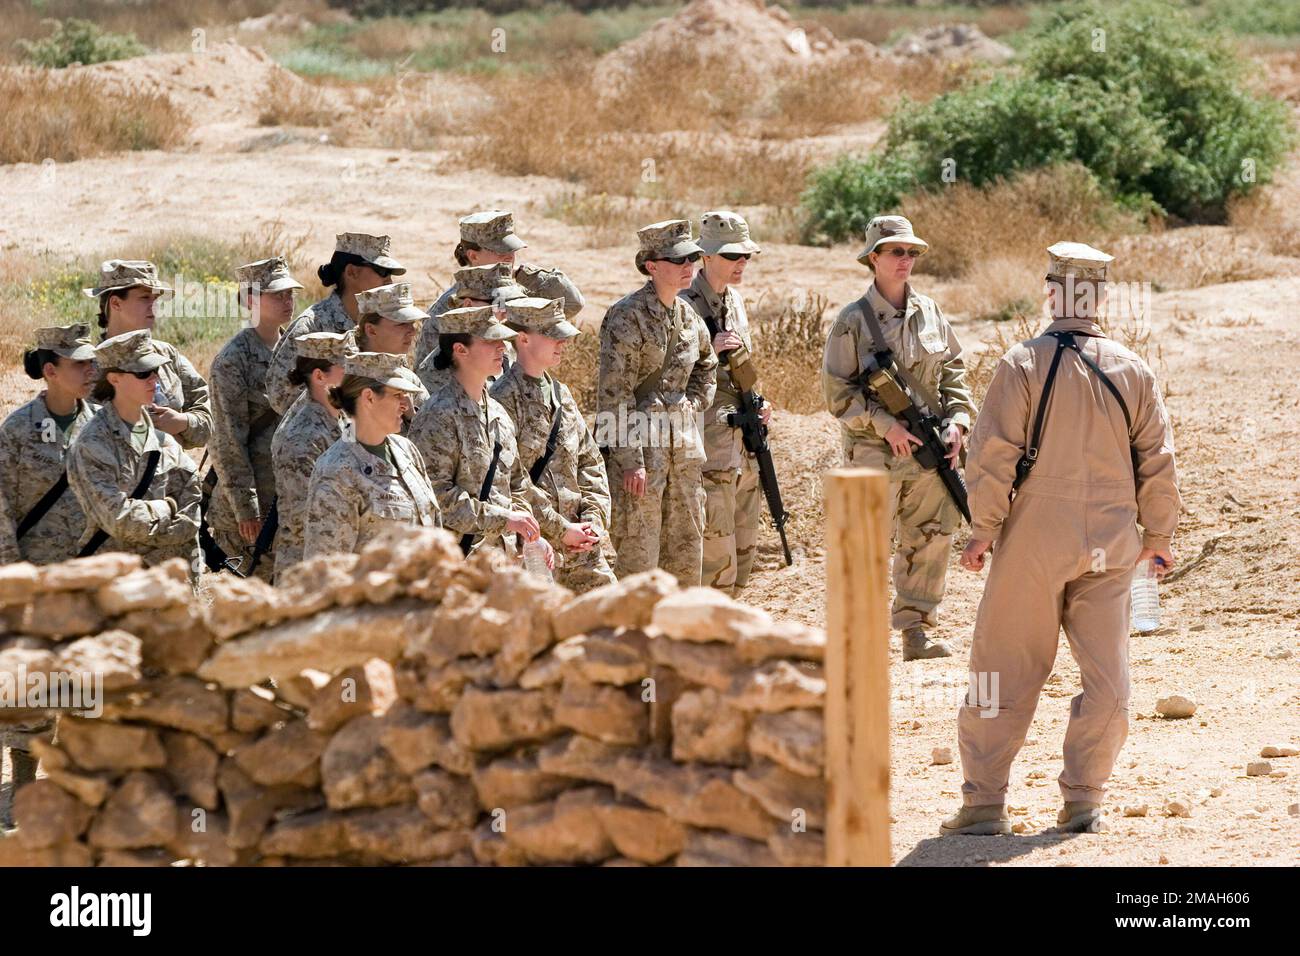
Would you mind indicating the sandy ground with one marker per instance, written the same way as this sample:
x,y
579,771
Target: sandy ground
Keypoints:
x,y
1230,353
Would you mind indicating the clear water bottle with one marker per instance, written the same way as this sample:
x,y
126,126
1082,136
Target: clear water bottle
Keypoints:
x,y
1146,597
535,559
159,396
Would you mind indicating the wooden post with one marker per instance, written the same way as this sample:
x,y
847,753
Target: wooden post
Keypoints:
x,y
857,667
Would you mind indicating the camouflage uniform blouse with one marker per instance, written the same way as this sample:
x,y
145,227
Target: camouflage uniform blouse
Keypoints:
x,y
355,343
104,467
241,455
426,343
302,437
456,435
33,456
327,315
574,486
185,390
354,496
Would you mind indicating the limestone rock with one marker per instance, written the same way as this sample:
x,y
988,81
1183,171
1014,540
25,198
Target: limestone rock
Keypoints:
x,y
14,853
706,729
781,639
489,845
140,813
192,768
1258,768
530,603
605,657
710,665
461,626
202,836
236,605
582,758
777,686
156,857
101,745
402,835
116,655
448,800
798,848
941,756
1273,751
605,713
57,616
254,708
320,834
1178,808
90,789
47,815
509,782
415,740
88,574
437,689
173,639
494,720
250,807
698,795
640,833
706,614
356,770
793,738
173,701
411,554
368,689
788,797
1175,707
664,689
724,849
18,582
1138,810
147,590
565,830
628,602
283,755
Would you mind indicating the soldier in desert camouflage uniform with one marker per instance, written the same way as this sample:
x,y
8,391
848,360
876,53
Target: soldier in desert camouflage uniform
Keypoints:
x,y
487,238
925,345
360,262
34,444
389,322
375,479
730,475
108,460
656,366
306,432
127,293
462,430
243,421
572,500
475,286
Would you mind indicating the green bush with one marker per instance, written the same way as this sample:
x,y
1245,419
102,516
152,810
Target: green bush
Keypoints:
x,y
80,41
1270,18
843,197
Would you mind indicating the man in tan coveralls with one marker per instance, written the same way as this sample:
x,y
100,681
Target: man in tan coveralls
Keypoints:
x,y
1066,544
656,376
924,344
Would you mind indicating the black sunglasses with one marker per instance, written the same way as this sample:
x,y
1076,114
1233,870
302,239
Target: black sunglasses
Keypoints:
x,y
735,256
382,272
145,376
898,252
681,260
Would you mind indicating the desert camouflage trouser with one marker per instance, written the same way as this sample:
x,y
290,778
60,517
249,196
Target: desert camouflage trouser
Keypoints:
x,y
584,571
924,521
665,527
730,525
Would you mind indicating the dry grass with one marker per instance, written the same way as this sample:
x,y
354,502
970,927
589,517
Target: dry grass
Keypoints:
x,y
62,118
1191,257
290,102
869,22
1271,218
789,333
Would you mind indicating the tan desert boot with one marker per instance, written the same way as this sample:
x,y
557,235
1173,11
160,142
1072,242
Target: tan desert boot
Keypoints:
x,y
988,820
1079,816
917,645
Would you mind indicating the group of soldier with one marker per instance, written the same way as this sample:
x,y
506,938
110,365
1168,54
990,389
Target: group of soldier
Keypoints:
x,y
367,412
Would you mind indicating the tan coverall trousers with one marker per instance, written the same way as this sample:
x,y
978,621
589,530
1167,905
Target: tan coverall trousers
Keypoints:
x,y
731,507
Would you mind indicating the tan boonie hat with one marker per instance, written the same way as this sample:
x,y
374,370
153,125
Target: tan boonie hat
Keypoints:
x,y
884,229
384,367
724,231
1077,260
129,352
373,249
69,341
546,284
491,283
115,274
326,346
477,320
541,317
493,230
393,302
266,275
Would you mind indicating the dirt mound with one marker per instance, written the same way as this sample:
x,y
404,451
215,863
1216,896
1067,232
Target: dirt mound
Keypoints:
x,y
953,41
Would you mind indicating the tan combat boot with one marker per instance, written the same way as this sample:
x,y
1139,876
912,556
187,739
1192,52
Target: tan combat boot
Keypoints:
x,y
917,645
988,820
1080,816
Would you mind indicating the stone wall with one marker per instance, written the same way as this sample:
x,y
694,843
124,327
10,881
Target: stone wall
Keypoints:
x,y
403,705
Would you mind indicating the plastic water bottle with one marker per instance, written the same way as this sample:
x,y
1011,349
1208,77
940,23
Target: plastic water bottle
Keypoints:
x,y
535,559
159,396
1146,598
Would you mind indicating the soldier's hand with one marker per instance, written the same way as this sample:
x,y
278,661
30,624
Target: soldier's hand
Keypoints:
x,y
634,482
168,419
548,554
1164,560
972,556
523,524
580,536
725,341
901,440
954,436
249,530
765,413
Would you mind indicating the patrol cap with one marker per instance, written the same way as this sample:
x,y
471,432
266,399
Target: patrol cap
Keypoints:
x,y
477,320
667,239
723,231
540,317
1077,260
393,302
884,229
547,284
116,274
383,367
69,341
493,230
490,283
326,346
129,352
373,249
268,275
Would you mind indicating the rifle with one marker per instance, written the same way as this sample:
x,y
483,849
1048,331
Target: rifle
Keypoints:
x,y
881,380
214,556
265,537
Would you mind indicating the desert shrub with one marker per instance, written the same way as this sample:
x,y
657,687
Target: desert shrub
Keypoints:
x,y
80,41
844,196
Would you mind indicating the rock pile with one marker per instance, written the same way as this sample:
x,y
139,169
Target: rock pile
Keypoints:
x,y
955,41
402,705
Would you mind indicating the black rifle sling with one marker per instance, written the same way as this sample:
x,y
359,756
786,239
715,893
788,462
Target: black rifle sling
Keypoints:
x,y
552,440
467,541
42,507
100,536
880,345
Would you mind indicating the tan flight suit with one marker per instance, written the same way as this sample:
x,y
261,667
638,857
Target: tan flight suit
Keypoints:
x,y
654,358
925,516
733,497
1064,552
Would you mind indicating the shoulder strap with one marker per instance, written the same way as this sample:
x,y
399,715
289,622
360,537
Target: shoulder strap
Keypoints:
x,y
1123,406
1026,463
552,440
467,541
42,507
100,536
652,383
878,342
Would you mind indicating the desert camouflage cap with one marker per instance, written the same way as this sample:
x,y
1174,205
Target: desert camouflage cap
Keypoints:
x,y
70,341
492,229
547,284
477,320
667,239
1078,260
267,275
115,274
326,346
884,229
723,231
374,249
384,367
491,283
129,352
393,302
541,317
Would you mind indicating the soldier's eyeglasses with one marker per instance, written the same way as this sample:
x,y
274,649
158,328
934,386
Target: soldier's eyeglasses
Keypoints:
x,y
681,260
382,272
735,256
898,252
145,376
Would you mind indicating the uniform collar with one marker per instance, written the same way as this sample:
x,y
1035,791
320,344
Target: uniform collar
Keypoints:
x,y
647,292
711,298
883,306
119,425
1086,326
